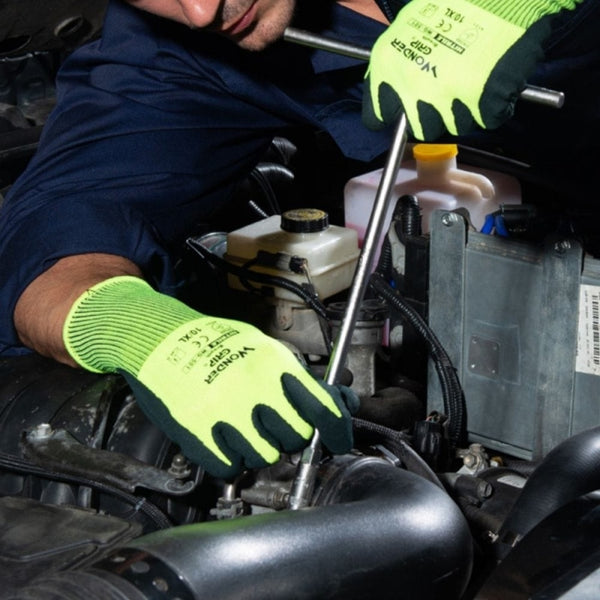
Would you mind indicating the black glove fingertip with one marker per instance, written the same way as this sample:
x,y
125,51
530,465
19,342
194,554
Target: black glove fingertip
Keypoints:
x,y
350,398
335,431
389,105
432,124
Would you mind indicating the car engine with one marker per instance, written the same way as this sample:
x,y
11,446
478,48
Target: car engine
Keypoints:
x,y
475,353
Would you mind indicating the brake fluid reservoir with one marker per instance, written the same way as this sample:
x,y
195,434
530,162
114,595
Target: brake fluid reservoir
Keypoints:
x,y
299,245
437,182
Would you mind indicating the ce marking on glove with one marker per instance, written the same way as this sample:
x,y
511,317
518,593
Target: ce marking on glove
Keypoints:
x,y
444,26
200,342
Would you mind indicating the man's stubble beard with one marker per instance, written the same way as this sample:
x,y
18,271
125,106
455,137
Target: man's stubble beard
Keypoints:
x,y
270,28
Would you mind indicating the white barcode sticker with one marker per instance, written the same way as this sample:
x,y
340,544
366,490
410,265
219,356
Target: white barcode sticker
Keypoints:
x,y
588,333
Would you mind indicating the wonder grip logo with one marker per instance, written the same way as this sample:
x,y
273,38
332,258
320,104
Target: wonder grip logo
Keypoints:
x,y
416,52
211,347
435,28
224,359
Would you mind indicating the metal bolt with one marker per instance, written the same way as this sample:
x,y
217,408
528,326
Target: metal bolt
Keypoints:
x,y
140,566
41,431
469,461
490,536
562,246
179,468
448,219
160,584
484,489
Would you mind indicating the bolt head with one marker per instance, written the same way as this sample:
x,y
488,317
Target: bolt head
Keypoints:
x,y
41,431
448,219
469,461
562,247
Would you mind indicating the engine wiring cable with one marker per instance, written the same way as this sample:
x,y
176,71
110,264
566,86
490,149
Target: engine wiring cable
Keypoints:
x,y
141,504
407,219
257,209
310,299
259,177
245,275
452,392
398,443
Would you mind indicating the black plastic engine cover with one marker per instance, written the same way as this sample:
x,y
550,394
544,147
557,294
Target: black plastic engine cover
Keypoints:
x,y
97,411
41,539
28,26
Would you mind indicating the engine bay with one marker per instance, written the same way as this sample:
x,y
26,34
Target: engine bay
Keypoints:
x,y
475,352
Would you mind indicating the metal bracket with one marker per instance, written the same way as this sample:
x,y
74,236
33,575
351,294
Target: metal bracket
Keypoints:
x,y
58,451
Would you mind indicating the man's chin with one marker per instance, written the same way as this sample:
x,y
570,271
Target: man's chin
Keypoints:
x,y
255,46
257,40
269,28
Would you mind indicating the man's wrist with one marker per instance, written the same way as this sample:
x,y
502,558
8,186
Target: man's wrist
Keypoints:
x,y
42,307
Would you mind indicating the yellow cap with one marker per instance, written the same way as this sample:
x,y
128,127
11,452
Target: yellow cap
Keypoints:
x,y
434,152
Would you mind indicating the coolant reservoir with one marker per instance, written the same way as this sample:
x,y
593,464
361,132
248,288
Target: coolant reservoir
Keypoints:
x,y
437,182
299,245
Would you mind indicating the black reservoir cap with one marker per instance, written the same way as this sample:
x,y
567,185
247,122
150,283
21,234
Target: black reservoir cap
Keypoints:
x,y
304,220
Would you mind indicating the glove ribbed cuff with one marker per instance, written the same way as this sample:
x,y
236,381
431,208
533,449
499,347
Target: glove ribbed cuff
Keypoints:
x,y
117,323
524,14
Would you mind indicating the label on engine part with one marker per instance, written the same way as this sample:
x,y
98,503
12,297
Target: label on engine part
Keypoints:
x,y
588,332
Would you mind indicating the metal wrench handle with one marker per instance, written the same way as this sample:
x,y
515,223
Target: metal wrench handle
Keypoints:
x,y
531,93
303,485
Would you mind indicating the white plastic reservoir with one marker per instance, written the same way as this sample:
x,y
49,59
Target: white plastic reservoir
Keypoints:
x,y
436,180
328,252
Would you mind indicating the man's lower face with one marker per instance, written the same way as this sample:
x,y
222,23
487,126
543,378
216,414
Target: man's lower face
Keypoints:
x,y
262,24
252,24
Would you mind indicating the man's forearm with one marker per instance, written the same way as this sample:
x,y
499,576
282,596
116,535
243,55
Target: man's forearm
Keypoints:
x,y
41,310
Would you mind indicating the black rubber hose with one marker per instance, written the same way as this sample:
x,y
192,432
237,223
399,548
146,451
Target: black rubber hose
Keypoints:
x,y
263,175
378,532
407,214
452,392
570,470
522,467
18,465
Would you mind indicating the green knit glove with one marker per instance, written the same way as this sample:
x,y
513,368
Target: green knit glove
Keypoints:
x,y
228,395
451,65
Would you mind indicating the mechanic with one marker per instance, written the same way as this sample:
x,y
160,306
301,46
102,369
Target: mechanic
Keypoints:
x,y
154,125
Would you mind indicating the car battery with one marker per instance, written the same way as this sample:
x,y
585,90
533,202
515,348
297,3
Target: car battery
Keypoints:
x,y
521,323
